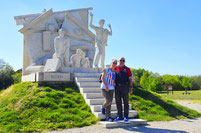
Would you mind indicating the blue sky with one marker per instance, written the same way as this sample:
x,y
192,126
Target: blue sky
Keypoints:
x,y
162,36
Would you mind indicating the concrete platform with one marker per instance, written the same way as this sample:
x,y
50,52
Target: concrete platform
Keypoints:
x,y
132,114
131,122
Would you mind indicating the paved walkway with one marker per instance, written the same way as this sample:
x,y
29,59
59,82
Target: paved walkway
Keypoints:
x,y
176,126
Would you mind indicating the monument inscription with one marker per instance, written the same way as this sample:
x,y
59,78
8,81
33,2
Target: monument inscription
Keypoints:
x,y
56,77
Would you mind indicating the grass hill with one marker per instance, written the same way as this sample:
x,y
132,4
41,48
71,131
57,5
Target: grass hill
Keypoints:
x,y
153,107
27,107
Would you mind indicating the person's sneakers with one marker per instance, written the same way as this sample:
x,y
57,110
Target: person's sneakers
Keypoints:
x,y
118,119
126,119
102,110
108,119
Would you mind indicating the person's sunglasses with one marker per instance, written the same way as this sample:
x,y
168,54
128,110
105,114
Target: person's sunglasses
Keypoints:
x,y
122,60
114,62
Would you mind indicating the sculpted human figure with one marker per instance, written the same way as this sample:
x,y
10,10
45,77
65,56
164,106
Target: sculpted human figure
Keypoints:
x,y
62,48
100,41
85,61
76,58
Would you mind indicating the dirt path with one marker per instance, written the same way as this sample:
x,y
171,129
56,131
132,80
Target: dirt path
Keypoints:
x,y
190,105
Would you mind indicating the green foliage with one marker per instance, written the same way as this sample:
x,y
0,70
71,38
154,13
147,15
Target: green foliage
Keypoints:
x,y
175,80
152,107
6,72
155,82
185,82
144,81
196,82
8,76
17,77
26,107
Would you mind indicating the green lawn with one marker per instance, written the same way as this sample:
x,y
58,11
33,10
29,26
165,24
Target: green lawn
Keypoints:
x,y
154,107
26,107
179,95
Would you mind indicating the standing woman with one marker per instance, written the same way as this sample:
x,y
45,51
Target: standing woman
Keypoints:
x,y
107,87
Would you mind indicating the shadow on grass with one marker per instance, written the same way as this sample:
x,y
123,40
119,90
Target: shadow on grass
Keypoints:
x,y
173,110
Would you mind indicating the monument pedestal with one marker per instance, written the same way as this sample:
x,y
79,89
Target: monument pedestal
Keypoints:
x,y
65,75
47,77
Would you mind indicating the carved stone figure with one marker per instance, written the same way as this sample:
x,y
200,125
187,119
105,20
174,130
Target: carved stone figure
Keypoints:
x,y
100,41
79,59
76,58
85,61
62,48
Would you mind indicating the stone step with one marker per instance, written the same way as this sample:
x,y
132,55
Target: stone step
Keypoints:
x,y
87,74
90,90
92,79
97,108
97,101
132,114
130,122
93,95
93,84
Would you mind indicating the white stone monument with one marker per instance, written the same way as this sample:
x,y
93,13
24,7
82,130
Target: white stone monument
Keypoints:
x,y
51,39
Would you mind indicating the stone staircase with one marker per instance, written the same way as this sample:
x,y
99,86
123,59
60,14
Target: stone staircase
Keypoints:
x,y
90,88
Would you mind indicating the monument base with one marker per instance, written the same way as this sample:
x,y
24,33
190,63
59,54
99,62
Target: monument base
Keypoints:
x,y
47,77
67,75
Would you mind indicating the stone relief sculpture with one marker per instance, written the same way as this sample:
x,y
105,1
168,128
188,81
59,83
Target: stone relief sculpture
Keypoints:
x,y
100,40
79,60
62,48
85,61
51,38
76,58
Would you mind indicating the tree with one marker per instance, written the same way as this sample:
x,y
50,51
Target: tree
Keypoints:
x,y
6,72
137,73
195,82
155,84
144,81
175,80
136,81
185,82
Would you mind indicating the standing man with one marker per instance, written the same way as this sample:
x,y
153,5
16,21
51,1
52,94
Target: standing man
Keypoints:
x,y
100,41
123,86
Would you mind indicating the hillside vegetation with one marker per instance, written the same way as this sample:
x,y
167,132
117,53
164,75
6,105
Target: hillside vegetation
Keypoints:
x,y
26,107
153,107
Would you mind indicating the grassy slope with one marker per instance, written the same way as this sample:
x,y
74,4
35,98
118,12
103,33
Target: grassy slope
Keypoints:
x,y
153,107
26,107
